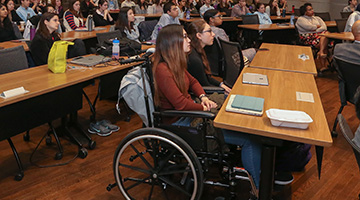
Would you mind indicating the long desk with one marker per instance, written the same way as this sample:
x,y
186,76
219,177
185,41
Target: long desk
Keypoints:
x,y
281,94
284,58
339,36
274,26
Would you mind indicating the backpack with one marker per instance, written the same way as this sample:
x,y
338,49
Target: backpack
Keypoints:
x,y
127,47
292,156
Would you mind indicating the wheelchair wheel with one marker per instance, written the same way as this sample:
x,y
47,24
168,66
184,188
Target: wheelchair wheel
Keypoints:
x,y
152,163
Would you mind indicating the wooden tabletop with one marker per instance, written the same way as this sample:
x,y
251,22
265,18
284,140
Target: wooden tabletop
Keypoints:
x,y
14,43
284,58
224,19
72,35
330,23
266,27
280,94
339,36
280,18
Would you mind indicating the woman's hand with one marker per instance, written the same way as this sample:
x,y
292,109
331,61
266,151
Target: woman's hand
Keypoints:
x,y
208,104
226,88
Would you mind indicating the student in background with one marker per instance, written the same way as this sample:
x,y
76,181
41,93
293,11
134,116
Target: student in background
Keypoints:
x,y
102,16
128,3
252,7
182,8
155,8
273,8
240,9
73,17
24,11
282,5
13,16
141,7
170,16
6,28
58,7
201,35
352,19
205,7
37,6
350,52
224,6
263,17
351,7
125,23
87,7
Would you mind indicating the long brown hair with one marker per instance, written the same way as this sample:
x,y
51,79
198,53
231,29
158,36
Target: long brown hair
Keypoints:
x,y
43,30
195,27
122,22
170,50
74,12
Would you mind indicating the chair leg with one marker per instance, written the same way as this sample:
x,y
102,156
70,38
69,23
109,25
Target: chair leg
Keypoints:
x,y
333,132
26,137
128,111
59,154
76,125
20,175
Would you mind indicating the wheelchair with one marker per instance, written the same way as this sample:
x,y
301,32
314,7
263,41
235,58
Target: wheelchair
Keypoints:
x,y
164,161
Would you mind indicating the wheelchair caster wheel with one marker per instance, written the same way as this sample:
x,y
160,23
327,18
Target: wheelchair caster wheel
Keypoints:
x,y
26,137
19,176
92,144
48,140
334,134
58,156
83,153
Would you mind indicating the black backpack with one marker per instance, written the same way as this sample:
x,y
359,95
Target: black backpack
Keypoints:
x,y
127,47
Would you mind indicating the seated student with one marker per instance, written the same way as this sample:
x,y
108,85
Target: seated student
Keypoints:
x,y
13,16
73,17
205,7
170,16
102,16
37,6
309,27
141,7
273,8
252,7
182,8
213,18
351,7
125,23
350,52
46,35
155,8
6,29
113,4
86,7
201,35
128,3
224,6
263,17
58,7
282,5
24,11
352,19
240,9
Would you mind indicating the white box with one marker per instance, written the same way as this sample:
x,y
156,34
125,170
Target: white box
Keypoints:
x,y
289,118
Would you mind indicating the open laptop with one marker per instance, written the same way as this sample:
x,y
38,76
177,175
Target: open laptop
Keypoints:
x,y
257,79
90,60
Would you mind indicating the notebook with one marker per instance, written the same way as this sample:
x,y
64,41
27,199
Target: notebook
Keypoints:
x,y
245,105
90,60
257,79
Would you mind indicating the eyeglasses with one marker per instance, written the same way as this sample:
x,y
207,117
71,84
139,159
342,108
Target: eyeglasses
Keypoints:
x,y
220,16
207,31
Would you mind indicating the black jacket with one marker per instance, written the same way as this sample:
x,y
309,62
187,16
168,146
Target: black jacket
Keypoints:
x,y
100,21
40,48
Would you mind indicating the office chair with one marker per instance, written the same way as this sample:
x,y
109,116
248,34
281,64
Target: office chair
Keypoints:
x,y
146,28
297,12
251,36
215,57
323,15
234,61
348,83
352,139
340,24
345,15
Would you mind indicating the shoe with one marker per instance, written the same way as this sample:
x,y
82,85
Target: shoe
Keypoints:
x,y
108,125
283,178
96,128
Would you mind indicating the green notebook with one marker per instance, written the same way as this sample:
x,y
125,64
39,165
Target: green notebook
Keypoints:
x,y
248,103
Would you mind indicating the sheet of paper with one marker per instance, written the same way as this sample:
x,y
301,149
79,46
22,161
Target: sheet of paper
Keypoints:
x,y
304,96
303,57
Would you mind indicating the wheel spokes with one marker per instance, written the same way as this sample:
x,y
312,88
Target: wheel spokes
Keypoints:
x,y
135,168
167,181
141,156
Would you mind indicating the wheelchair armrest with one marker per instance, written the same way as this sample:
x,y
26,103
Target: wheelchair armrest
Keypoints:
x,y
213,89
195,114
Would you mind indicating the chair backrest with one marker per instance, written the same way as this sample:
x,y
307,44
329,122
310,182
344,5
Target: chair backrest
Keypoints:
x,y
340,24
17,32
347,81
13,59
234,61
323,15
345,15
297,12
353,140
146,28
215,57
250,19
102,37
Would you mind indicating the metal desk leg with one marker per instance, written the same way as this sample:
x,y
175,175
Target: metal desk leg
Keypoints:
x,y
267,172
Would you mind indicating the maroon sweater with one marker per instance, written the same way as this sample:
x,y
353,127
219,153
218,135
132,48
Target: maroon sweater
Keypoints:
x,y
170,95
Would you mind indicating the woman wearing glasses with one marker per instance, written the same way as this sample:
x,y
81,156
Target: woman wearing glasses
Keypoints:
x,y
201,35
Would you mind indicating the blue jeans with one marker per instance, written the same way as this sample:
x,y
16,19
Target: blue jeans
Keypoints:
x,y
183,121
250,152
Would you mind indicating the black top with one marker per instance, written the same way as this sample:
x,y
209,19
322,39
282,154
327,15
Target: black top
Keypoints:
x,y
40,48
197,69
100,21
85,8
7,33
15,16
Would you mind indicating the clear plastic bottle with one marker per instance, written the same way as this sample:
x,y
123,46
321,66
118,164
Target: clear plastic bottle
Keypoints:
x,y
188,14
116,49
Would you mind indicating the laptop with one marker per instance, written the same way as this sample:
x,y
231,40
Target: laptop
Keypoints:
x,y
256,79
90,60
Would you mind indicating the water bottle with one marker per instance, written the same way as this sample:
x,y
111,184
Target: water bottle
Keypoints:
x,y
90,23
111,5
32,32
116,49
284,12
292,19
293,9
188,14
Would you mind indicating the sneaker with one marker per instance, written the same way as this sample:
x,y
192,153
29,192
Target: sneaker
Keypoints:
x,y
96,128
283,178
108,125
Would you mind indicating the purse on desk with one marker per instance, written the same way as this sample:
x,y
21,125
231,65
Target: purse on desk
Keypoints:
x,y
57,56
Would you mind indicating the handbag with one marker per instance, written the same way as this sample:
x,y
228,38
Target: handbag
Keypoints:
x,y
57,56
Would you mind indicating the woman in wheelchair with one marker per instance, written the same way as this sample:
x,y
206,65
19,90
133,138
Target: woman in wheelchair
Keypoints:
x,y
172,82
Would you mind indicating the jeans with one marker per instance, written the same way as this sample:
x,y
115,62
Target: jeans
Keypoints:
x,y
250,152
183,121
